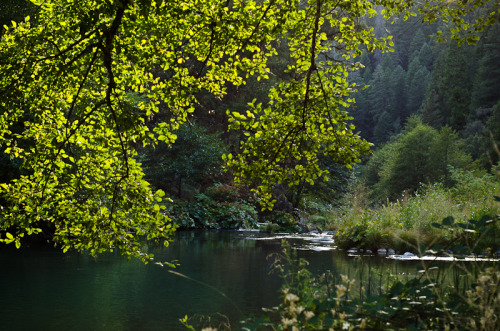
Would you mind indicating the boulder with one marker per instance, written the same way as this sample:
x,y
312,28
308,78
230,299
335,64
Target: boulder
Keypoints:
x,y
382,251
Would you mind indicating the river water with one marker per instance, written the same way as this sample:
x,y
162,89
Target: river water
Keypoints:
x,y
226,276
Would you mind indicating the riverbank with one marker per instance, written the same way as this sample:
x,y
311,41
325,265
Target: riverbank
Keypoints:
x,y
434,216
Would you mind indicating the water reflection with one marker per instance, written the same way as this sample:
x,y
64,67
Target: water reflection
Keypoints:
x,y
44,289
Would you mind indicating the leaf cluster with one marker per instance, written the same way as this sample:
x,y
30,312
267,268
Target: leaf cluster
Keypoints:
x,y
86,79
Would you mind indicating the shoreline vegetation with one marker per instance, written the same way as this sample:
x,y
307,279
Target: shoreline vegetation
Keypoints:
x,y
433,215
116,125
432,300
458,220
418,190
413,221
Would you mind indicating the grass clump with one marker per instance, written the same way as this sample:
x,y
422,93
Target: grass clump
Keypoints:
x,y
407,222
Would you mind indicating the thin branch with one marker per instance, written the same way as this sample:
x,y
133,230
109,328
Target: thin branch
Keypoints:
x,y
212,38
312,67
107,49
85,76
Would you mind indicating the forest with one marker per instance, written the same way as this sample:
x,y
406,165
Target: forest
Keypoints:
x,y
428,106
383,126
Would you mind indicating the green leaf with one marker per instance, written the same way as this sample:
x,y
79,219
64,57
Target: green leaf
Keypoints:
x,y
447,221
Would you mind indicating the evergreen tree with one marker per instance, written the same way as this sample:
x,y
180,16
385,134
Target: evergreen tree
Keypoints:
x,y
416,89
413,67
486,90
448,95
431,109
399,92
381,91
431,114
419,39
447,150
403,32
363,119
425,56
385,128
367,70
380,99
459,106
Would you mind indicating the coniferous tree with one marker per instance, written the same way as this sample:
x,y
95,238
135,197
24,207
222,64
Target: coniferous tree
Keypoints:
x,y
416,89
381,86
448,94
431,114
385,128
458,101
426,57
379,98
363,118
419,39
403,32
431,108
399,93
486,91
413,67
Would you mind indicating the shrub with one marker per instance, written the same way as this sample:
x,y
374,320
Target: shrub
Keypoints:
x,y
206,213
224,192
284,220
319,221
470,187
361,235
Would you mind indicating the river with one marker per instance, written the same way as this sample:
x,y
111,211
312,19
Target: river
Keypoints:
x,y
225,275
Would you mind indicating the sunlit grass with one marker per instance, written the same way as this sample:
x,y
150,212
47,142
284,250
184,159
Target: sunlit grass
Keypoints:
x,y
407,222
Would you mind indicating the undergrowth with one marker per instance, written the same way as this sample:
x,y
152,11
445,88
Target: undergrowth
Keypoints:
x,y
432,300
408,221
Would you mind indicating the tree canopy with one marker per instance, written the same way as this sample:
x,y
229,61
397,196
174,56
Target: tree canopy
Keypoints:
x,y
81,82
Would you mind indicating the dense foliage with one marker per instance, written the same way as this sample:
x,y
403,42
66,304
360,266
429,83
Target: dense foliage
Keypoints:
x,y
421,154
88,88
116,117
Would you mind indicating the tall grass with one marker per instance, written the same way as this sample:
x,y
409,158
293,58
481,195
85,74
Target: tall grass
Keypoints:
x,y
432,300
407,221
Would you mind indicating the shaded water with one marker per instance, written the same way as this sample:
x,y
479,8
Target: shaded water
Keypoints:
x,y
44,289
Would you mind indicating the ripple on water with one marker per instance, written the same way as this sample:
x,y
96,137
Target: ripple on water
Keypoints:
x,y
309,241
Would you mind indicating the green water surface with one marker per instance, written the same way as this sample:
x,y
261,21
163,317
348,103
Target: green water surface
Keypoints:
x,y
44,289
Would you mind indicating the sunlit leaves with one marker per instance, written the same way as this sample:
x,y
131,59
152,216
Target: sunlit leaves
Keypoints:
x,y
307,116
85,79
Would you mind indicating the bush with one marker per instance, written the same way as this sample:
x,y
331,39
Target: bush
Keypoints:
x,y
319,221
470,187
206,213
362,235
223,192
285,222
